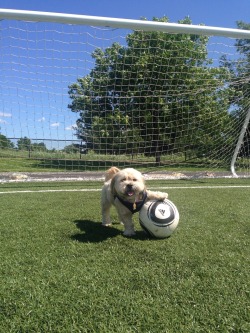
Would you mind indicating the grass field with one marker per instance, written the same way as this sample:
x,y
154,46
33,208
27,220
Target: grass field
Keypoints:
x,y
19,161
62,272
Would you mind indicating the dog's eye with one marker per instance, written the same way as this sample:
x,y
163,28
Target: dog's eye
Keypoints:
x,y
134,180
123,180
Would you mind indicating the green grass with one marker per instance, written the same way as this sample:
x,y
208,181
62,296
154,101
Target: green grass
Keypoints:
x,y
62,272
63,165
19,161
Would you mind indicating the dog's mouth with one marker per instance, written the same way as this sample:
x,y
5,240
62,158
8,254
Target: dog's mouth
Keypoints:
x,y
130,193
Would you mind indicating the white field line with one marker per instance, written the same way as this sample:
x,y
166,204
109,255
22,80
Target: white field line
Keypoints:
x,y
153,188
47,191
202,187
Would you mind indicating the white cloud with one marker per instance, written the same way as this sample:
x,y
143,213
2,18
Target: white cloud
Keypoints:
x,y
55,125
71,127
41,120
3,121
4,114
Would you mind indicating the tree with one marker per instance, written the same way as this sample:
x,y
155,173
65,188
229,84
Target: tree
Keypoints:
x,y
71,149
130,101
243,47
5,143
24,144
240,81
39,147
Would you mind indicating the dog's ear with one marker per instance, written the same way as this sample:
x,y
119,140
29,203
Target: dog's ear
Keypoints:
x,y
110,173
112,185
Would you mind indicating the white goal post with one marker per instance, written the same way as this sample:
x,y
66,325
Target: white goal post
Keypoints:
x,y
140,93
38,16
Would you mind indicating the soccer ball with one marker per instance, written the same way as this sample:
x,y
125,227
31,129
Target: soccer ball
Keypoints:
x,y
159,218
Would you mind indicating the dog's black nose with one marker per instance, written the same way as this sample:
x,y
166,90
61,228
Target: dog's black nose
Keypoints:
x,y
129,187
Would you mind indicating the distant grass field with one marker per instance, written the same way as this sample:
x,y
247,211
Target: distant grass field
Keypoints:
x,y
62,272
19,161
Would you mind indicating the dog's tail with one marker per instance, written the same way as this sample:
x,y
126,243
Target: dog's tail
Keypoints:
x,y
110,173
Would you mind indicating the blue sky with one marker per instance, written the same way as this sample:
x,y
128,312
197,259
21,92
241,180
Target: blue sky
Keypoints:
x,y
49,117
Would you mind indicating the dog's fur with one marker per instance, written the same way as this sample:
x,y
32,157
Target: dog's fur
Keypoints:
x,y
128,184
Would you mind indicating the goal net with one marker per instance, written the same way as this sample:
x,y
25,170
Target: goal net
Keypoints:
x,y
78,97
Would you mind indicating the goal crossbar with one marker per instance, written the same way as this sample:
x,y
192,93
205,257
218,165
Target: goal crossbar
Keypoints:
x,y
38,16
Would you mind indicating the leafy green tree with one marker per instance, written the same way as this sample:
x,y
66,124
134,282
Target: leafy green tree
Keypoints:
x,y
71,149
243,47
240,74
240,69
5,143
24,144
39,147
154,95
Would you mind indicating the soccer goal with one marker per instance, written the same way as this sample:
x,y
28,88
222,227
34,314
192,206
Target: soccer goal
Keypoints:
x,y
83,93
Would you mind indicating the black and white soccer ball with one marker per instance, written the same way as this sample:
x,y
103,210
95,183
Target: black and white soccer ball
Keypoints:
x,y
159,218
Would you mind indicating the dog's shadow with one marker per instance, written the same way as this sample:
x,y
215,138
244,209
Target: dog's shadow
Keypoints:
x,y
92,232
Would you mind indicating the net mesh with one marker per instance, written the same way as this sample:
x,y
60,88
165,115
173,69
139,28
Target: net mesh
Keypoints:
x,y
77,98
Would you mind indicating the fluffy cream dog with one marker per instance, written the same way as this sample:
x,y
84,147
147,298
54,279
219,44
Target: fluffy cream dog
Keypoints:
x,y
126,190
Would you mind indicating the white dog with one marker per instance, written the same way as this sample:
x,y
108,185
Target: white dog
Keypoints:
x,y
126,190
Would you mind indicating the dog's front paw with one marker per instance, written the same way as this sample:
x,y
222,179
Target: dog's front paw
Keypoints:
x,y
106,224
157,195
162,196
165,196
